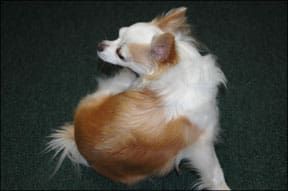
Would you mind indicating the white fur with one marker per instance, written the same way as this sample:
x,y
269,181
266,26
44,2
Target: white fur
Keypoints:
x,y
137,33
188,89
203,158
114,85
62,141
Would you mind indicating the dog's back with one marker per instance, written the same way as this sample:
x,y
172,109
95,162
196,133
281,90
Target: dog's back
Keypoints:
x,y
126,137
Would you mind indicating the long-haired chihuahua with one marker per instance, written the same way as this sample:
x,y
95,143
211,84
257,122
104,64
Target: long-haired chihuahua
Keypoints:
x,y
161,108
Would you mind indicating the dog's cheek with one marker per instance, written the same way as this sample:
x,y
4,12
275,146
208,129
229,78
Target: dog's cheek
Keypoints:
x,y
140,53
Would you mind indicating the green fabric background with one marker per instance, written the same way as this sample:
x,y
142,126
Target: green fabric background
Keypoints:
x,y
49,61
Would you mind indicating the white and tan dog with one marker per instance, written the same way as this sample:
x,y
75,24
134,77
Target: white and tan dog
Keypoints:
x,y
133,127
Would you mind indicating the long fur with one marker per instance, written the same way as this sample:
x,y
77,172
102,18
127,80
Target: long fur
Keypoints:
x,y
132,128
63,143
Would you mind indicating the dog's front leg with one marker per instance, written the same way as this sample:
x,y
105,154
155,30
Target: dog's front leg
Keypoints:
x,y
112,86
203,157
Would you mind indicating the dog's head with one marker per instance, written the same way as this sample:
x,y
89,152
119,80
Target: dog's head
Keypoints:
x,y
147,47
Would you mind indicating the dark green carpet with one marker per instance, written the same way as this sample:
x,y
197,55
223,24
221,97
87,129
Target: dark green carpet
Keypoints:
x,y
48,62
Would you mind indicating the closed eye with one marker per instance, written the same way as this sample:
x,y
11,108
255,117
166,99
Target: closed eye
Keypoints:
x,y
119,53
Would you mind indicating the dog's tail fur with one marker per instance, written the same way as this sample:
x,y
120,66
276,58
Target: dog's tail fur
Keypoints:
x,y
62,141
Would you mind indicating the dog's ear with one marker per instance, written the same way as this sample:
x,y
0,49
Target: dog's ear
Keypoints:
x,y
173,21
163,48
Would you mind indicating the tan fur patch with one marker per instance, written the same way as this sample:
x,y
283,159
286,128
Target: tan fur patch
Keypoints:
x,y
166,40
127,137
140,53
174,20
169,60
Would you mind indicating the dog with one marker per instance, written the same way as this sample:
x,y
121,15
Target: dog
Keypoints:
x,y
159,109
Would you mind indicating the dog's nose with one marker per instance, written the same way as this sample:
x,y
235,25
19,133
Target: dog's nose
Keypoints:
x,y
101,46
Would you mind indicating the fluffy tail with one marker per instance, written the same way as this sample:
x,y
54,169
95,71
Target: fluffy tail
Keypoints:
x,y
62,141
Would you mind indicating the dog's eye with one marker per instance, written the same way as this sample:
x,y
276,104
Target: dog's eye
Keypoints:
x,y
119,53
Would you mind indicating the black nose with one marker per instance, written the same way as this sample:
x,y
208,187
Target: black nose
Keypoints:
x,y
101,46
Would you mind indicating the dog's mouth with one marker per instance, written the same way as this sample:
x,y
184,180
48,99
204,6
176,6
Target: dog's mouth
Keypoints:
x,y
107,65
109,69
